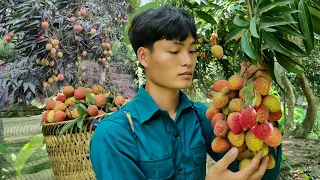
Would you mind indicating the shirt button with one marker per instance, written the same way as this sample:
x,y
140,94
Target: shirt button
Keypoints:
x,y
179,170
177,135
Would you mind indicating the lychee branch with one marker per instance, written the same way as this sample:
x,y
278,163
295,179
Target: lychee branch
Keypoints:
x,y
249,9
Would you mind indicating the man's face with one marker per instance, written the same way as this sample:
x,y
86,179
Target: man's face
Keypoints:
x,y
171,64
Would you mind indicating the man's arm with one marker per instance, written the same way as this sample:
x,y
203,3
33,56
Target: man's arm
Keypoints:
x,y
207,130
113,152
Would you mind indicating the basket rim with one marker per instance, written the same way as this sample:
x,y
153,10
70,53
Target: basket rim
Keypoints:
x,y
86,119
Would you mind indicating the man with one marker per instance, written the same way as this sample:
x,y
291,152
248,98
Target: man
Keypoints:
x,y
161,134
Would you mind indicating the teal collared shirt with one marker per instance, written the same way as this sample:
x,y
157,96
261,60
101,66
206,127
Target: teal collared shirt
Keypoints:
x,y
158,148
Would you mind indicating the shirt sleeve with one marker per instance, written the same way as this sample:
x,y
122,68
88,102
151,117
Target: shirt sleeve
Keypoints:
x,y
113,153
207,131
274,173
209,136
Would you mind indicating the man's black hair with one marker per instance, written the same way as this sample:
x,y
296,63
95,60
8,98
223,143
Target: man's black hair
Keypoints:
x,y
165,22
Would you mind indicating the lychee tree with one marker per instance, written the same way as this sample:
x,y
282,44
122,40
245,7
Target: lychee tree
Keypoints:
x,y
54,37
276,33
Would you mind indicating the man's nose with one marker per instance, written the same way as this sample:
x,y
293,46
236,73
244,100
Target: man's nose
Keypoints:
x,y
187,58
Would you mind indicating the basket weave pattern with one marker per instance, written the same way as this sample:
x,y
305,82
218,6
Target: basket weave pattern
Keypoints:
x,y
69,153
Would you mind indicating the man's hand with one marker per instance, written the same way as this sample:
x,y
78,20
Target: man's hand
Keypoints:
x,y
254,171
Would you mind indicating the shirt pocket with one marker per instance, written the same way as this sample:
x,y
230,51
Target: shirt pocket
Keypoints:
x,y
199,153
157,169
199,157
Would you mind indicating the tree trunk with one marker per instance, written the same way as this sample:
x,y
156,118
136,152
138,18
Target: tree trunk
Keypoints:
x,y
304,129
290,100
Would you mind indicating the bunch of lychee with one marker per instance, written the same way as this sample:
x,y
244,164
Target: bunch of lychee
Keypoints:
x,y
7,38
52,48
251,128
63,106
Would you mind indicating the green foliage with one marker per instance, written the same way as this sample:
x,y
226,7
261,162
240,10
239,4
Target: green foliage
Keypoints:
x,y
26,152
30,41
315,132
274,32
137,10
3,149
299,116
18,161
6,53
312,67
22,80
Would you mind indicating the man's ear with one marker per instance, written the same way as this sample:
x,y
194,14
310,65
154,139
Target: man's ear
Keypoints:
x,y
143,56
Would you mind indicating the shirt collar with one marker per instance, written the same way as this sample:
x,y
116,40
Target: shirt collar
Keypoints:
x,y
147,107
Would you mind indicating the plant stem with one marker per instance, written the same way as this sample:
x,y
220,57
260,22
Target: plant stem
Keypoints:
x,y
249,9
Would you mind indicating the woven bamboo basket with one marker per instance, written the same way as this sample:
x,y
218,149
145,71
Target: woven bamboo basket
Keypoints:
x,y
69,153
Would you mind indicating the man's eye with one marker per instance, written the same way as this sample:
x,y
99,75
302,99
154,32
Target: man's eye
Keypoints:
x,y
174,52
192,52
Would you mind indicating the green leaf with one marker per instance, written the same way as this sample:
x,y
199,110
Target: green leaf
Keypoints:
x,y
247,47
90,97
26,152
316,24
289,29
68,126
274,44
292,47
314,11
273,69
37,104
31,24
15,15
25,87
279,72
235,52
274,21
285,62
206,17
132,15
234,34
205,2
32,87
3,149
282,10
306,26
253,27
82,110
267,5
241,22
80,121
270,63
316,3
249,95
270,30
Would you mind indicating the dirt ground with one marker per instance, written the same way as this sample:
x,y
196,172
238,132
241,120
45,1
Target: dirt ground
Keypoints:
x,y
301,160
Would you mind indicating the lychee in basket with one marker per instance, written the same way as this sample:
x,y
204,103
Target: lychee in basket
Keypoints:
x,y
69,153
69,123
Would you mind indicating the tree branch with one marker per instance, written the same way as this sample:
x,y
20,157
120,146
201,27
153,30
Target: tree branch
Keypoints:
x,y
249,9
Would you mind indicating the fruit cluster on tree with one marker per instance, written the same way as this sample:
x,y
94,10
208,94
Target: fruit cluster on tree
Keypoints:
x,y
276,33
51,41
244,113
